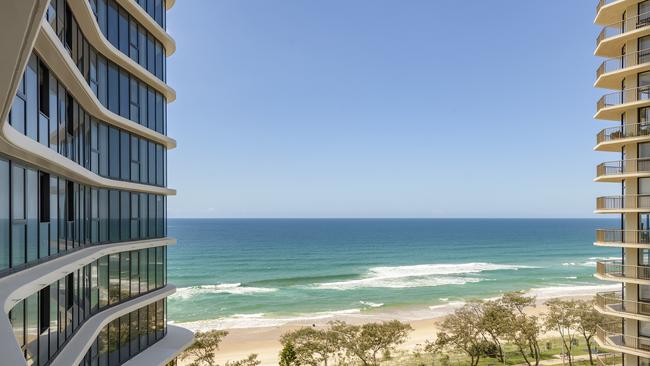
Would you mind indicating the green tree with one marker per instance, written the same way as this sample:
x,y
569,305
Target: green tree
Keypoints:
x,y
521,329
202,351
311,346
370,342
494,321
588,319
562,318
288,356
463,333
524,332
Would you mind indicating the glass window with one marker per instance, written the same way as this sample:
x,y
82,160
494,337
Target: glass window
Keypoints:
x,y
143,270
31,91
644,186
151,58
644,257
125,325
125,222
101,15
151,108
114,160
18,215
125,155
124,30
124,94
644,13
113,89
135,159
152,163
103,281
112,27
159,60
17,319
31,199
159,113
134,101
644,328
114,206
31,315
133,40
4,214
114,279
102,81
125,275
135,278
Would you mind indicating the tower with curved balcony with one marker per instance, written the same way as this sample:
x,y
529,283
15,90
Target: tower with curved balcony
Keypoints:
x,y
83,183
624,45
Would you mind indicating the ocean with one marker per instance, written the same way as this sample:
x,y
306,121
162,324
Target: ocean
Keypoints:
x,y
235,273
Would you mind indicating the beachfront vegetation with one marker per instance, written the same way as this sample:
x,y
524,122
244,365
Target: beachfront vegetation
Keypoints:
x,y
203,351
481,328
343,344
479,333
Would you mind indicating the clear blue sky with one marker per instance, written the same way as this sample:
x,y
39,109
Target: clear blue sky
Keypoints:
x,y
377,108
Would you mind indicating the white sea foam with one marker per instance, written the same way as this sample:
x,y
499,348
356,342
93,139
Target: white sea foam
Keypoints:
x,y
564,291
371,304
260,320
589,263
225,288
424,275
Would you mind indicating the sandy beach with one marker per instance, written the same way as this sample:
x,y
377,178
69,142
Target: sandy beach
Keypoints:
x,y
265,341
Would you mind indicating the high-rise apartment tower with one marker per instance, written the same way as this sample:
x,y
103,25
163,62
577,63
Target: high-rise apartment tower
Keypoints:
x,y
83,183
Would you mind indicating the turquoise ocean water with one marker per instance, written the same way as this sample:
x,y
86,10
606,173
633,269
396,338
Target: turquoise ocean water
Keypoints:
x,y
241,273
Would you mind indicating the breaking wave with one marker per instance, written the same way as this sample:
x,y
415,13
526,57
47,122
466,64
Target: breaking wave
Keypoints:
x,y
423,275
225,288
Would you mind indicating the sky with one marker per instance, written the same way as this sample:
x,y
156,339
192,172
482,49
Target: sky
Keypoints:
x,y
384,108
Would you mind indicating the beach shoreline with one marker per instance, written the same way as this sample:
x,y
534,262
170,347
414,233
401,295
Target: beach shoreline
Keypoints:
x,y
265,340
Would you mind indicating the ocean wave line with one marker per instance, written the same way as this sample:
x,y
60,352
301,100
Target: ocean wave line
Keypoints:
x,y
224,288
421,275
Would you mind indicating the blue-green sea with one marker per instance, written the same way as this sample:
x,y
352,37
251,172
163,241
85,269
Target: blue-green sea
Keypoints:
x,y
257,272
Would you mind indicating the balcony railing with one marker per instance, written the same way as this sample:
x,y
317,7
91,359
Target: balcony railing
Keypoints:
x,y
627,166
622,62
609,359
623,97
616,236
601,3
612,335
623,26
624,131
616,268
614,203
614,302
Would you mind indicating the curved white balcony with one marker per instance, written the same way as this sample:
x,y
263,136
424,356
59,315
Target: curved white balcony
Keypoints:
x,y
90,28
616,271
149,23
609,11
613,304
614,138
611,73
610,336
614,35
60,63
617,238
616,171
611,106
621,204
